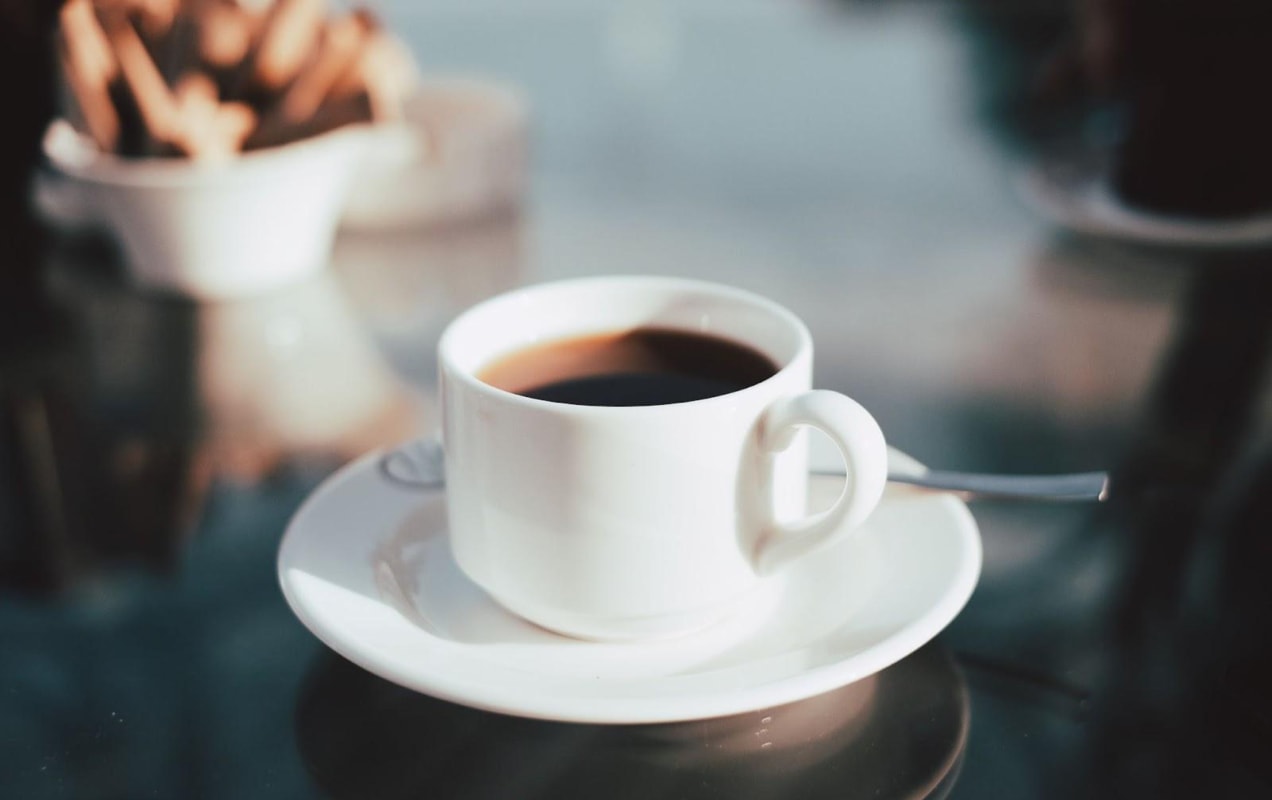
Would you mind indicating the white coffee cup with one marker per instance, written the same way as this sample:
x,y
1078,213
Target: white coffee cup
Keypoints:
x,y
607,522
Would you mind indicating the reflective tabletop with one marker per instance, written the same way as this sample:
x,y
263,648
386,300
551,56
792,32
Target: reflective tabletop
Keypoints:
x,y
861,164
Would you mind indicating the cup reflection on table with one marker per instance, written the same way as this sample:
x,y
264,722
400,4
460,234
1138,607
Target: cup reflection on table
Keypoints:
x,y
294,375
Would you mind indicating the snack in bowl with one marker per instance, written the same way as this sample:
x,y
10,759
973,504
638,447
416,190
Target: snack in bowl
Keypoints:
x,y
218,140
212,78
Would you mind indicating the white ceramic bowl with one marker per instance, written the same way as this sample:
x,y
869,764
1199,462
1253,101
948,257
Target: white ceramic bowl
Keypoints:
x,y
216,230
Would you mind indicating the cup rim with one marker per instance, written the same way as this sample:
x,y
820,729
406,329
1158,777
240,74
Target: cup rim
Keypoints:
x,y
451,370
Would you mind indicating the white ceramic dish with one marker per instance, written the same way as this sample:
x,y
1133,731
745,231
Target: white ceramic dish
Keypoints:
x,y
1073,190
209,231
365,565
459,153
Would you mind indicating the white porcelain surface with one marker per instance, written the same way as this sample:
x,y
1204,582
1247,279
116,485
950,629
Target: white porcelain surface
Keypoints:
x,y
366,566
459,152
214,230
625,522
1074,191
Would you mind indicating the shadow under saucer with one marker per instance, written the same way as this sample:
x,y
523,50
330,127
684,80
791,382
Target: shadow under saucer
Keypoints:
x,y
897,734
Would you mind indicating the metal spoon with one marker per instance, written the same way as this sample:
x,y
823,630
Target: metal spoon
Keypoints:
x,y
420,465
1082,486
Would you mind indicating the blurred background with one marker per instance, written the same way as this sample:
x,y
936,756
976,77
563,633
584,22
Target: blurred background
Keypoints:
x,y
1030,236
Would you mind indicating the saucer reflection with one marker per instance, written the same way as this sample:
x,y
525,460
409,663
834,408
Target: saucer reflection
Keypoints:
x,y
898,734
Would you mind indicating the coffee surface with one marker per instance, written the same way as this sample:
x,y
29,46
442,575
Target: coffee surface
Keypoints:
x,y
640,367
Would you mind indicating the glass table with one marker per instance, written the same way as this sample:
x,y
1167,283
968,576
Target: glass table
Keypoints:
x,y
855,162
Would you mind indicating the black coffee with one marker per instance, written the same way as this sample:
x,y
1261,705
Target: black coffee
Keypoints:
x,y
641,367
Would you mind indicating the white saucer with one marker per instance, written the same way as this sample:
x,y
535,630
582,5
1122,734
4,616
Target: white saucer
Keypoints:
x,y
1073,190
366,566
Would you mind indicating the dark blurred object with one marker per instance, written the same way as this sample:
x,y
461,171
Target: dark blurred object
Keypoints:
x,y
86,478
1027,80
32,346
26,56
1194,497
1171,92
26,59
1193,77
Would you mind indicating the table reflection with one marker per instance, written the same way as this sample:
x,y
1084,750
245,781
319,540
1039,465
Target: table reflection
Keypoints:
x,y
898,734
1193,494
121,415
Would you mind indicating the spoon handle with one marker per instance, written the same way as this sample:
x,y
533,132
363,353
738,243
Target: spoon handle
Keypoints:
x,y
1083,486
420,465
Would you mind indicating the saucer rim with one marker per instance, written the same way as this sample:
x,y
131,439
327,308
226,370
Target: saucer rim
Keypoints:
x,y
814,681
1070,205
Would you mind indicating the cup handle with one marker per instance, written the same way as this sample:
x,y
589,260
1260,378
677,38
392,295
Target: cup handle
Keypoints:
x,y
865,453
